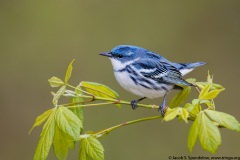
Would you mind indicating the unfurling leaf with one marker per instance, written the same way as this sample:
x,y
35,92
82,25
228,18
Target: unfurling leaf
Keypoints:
x,y
209,134
212,94
91,147
55,82
68,122
40,119
69,71
46,138
61,144
214,85
205,90
59,93
171,114
100,90
209,78
180,97
224,119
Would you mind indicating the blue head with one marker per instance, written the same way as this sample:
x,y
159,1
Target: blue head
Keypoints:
x,y
127,53
123,55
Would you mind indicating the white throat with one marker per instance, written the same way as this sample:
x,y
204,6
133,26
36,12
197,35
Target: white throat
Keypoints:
x,y
117,65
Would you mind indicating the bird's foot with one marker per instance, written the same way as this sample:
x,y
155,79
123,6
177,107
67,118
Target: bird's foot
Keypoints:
x,y
134,104
162,109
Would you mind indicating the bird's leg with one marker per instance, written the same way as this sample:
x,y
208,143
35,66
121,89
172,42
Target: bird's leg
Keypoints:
x,y
135,102
162,106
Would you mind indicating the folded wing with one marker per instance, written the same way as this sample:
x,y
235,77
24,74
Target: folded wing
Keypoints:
x,y
160,71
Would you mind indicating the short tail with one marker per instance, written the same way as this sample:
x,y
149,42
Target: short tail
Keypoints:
x,y
185,68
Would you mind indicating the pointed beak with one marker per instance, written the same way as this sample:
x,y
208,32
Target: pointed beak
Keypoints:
x,y
106,54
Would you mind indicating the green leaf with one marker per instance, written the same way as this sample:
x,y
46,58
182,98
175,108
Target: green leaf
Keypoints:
x,y
59,93
55,82
180,97
83,153
171,114
212,94
46,138
68,122
205,91
69,71
40,119
184,114
61,143
91,147
100,90
193,134
78,111
209,134
224,119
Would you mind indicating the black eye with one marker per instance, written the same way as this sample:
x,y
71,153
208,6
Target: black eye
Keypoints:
x,y
120,56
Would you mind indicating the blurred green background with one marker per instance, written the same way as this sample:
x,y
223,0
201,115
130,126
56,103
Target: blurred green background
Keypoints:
x,y
38,39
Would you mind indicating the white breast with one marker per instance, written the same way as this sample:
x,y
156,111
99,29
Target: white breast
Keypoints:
x,y
127,83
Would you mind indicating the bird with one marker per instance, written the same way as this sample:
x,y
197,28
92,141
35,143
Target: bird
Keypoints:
x,y
147,74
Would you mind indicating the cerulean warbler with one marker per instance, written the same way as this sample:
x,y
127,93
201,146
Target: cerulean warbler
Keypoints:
x,y
147,74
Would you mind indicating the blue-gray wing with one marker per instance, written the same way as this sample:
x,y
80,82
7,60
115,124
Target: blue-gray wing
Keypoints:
x,y
160,71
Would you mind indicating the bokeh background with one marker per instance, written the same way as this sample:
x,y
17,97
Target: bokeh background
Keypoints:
x,y
38,39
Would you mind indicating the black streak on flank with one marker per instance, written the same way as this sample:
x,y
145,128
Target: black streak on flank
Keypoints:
x,y
134,80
